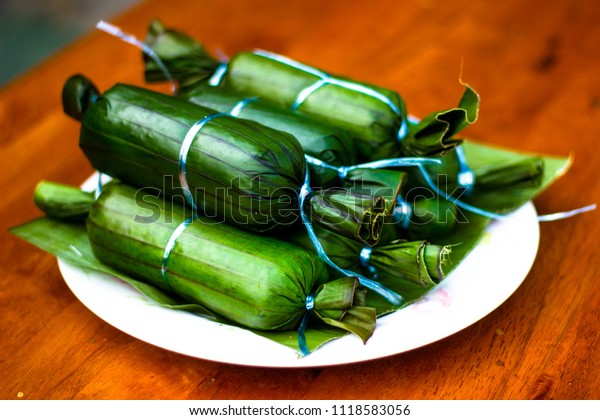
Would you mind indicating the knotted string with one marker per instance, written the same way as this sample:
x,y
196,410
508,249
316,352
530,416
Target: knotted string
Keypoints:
x,y
402,213
305,193
308,305
365,261
130,39
466,176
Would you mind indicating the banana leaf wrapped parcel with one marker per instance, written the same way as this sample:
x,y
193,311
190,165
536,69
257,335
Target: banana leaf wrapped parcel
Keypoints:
x,y
234,170
258,282
410,268
424,217
375,116
376,182
501,181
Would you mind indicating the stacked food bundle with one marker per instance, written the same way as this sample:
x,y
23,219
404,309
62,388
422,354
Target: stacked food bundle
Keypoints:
x,y
270,195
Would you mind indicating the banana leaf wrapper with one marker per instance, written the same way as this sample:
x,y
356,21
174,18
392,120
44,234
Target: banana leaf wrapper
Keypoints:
x,y
425,219
435,135
522,173
504,181
408,268
373,123
493,182
327,143
432,219
63,202
420,219
386,183
335,208
238,171
242,278
186,59
440,128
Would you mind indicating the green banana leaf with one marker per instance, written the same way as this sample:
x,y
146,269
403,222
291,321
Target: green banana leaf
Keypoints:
x,y
186,59
377,182
372,123
430,219
521,173
434,134
508,198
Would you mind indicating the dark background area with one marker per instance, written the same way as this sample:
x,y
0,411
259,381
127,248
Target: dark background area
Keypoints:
x,y
33,30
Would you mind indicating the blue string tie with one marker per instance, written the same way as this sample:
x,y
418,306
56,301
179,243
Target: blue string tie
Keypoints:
x,y
309,306
466,176
492,215
217,76
304,194
237,108
402,213
401,162
185,149
183,154
365,262
325,79
171,245
402,210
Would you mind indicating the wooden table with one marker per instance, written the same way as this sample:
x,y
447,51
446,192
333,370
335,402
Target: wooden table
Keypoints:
x,y
536,66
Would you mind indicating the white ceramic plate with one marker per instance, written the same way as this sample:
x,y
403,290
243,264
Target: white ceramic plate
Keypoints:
x,y
481,283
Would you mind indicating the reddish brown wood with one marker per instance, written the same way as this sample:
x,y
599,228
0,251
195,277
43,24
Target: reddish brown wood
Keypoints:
x,y
536,66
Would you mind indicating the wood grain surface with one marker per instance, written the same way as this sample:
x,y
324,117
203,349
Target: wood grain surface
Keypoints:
x,y
536,65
